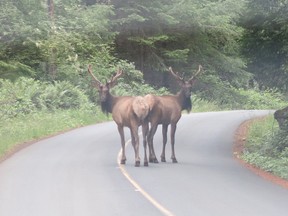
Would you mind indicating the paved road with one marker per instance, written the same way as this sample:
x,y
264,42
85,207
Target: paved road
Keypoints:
x,y
76,174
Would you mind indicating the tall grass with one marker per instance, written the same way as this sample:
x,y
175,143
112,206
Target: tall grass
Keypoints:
x,y
202,105
267,147
259,131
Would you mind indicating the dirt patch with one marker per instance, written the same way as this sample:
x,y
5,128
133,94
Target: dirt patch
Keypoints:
x,y
239,144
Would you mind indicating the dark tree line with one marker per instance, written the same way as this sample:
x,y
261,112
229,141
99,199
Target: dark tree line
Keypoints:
x,y
236,41
265,42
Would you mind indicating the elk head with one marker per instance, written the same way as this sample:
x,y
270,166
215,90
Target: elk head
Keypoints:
x,y
104,89
186,86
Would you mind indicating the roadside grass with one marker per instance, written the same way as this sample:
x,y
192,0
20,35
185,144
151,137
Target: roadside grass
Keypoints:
x,y
263,150
33,126
29,125
259,132
201,105
39,124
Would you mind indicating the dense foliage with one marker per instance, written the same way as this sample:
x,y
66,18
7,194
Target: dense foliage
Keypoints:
x,y
45,47
57,39
265,42
267,147
26,96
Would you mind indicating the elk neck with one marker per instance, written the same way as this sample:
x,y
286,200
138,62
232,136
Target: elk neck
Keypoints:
x,y
184,101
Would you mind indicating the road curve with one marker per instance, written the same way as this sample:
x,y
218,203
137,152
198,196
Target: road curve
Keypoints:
x,y
76,173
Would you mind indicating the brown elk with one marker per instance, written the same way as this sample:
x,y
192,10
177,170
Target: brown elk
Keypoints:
x,y
127,111
166,110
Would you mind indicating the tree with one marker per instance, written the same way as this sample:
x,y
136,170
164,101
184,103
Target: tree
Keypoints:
x,y
182,34
53,35
265,42
18,31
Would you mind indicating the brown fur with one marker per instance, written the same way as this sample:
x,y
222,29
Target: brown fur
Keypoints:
x,y
166,110
140,107
126,111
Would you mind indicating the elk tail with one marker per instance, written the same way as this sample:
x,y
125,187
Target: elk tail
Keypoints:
x,y
140,107
150,100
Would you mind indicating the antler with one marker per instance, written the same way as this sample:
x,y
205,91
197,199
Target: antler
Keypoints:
x,y
198,72
176,75
115,77
98,83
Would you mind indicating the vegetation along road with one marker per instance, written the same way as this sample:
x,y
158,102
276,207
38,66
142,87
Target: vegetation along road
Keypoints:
x,y
76,173
45,49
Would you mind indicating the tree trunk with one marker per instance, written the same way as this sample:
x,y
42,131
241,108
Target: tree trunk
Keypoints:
x,y
52,58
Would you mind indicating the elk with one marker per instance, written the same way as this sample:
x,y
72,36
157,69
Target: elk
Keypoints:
x,y
166,110
127,111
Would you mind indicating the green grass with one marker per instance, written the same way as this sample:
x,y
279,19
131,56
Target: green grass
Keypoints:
x,y
31,127
259,131
201,105
260,147
266,147
36,125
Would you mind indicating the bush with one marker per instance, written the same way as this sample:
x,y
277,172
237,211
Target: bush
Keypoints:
x,y
267,147
250,99
61,95
256,99
279,141
27,95
15,98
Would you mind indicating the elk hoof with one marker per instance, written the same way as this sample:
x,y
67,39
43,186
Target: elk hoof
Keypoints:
x,y
163,159
123,161
137,163
153,160
146,163
174,160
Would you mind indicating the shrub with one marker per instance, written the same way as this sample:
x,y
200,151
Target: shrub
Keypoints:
x,y
15,98
250,99
267,147
267,99
280,141
27,95
61,95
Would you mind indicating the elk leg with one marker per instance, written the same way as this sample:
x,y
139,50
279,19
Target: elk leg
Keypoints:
x,y
152,155
164,133
145,128
135,143
121,132
173,130
133,140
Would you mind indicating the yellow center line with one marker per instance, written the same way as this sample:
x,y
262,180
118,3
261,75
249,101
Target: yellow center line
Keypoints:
x,y
139,188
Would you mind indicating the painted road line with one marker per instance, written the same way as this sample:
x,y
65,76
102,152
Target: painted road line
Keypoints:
x,y
139,188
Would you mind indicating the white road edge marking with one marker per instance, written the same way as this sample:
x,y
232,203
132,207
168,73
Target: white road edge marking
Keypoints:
x,y
138,188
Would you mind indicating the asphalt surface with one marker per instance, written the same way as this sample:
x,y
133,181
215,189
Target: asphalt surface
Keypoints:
x,y
77,174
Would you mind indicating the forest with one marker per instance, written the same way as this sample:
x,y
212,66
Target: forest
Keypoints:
x,y
46,46
241,44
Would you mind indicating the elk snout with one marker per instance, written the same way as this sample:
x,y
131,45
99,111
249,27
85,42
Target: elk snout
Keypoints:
x,y
103,93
